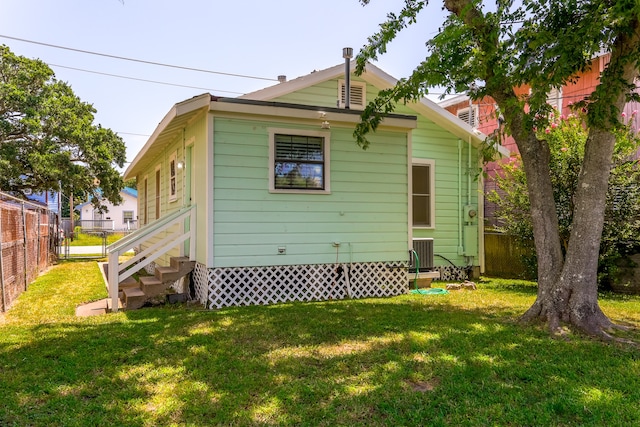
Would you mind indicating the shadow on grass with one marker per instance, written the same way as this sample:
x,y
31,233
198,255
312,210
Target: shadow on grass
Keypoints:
x,y
400,361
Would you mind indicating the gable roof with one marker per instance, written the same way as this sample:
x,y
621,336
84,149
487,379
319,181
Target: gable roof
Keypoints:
x,y
184,112
382,80
259,101
126,190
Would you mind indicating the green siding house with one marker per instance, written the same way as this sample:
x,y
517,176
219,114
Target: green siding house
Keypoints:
x,y
284,206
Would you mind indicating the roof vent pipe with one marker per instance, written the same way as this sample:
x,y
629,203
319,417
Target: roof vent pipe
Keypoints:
x,y
282,78
347,54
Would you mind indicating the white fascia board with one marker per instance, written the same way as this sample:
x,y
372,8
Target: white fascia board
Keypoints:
x,y
304,114
177,110
453,101
432,111
296,84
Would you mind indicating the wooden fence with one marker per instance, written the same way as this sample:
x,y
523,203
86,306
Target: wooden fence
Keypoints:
x,y
29,241
504,257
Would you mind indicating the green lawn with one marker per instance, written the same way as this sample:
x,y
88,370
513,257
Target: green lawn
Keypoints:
x,y
86,239
458,360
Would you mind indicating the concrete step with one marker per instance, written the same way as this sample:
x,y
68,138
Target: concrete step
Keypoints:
x,y
152,286
134,298
120,304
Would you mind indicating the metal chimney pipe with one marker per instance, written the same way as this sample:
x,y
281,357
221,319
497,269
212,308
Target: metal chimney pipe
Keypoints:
x,y
347,54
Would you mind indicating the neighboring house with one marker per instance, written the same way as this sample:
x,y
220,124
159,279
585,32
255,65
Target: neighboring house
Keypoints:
x,y
287,206
50,198
481,114
122,217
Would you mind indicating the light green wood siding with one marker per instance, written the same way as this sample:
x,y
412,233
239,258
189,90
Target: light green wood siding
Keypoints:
x,y
167,206
432,142
324,94
366,211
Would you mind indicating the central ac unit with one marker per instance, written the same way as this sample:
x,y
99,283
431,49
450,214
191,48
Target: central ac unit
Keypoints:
x,y
424,249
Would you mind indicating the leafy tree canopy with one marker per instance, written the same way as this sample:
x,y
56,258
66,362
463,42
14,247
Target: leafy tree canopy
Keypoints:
x,y
566,136
495,49
48,140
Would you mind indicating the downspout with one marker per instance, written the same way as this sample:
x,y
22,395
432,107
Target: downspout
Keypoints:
x,y
460,209
481,254
469,174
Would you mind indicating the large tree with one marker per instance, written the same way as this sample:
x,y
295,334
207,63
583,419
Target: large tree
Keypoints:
x,y
48,139
542,44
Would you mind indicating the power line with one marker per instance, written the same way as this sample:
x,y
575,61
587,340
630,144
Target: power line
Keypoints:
x,y
133,134
138,60
143,80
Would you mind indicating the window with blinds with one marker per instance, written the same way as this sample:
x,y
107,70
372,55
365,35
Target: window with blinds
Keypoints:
x,y
299,162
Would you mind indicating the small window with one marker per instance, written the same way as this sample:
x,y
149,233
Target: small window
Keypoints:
x,y
358,98
423,193
469,116
127,216
172,178
299,161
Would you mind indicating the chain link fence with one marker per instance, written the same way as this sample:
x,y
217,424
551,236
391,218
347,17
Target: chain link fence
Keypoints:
x,y
29,237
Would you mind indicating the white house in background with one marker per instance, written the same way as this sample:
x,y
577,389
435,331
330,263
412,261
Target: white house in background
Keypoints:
x,y
120,217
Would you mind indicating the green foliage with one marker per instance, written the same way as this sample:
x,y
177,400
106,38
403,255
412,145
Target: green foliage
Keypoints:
x,y
48,141
566,138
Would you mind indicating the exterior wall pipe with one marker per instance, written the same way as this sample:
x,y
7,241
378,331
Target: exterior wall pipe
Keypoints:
x,y
460,245
347,54
481,254
469,174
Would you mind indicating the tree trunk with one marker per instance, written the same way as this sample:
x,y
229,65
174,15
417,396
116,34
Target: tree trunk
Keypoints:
x,y
567,287
573,297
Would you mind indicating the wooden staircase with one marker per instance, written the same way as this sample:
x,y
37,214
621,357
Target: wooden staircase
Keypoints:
x,y
174,232
135,293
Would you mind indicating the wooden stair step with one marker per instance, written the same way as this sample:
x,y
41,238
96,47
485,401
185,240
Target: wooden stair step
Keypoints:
x,y
180,262
134,298
152,286
129,282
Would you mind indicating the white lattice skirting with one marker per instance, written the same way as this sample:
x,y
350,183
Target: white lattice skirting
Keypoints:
x,y
226,287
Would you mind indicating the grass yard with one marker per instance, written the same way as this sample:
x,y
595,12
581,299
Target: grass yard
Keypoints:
x,y
457,360
87,239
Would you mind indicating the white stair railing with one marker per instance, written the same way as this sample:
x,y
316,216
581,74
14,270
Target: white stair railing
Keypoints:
x,y
178,227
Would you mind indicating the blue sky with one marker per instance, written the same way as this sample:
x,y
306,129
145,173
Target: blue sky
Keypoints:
x,y
250,37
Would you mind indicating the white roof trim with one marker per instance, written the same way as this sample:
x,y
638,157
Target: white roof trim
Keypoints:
x,y
178,109
453,101
379,78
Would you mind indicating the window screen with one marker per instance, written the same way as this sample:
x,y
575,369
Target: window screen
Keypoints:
x,y
299,162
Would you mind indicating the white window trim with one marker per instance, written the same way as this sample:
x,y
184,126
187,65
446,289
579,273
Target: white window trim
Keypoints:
x,y
363,85
173,177
432,192
157,209
467,110
327,159
133,216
